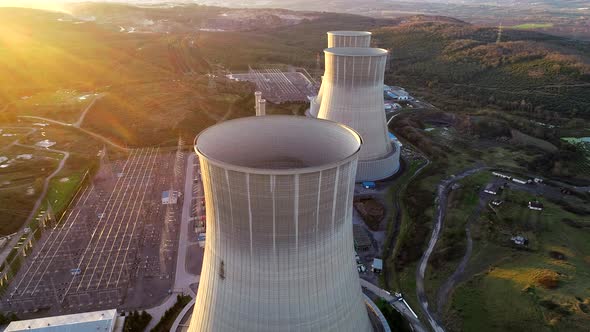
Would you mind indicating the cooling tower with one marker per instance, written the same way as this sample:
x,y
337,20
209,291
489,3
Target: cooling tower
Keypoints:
x,y
340,39
279,249
352,94
349,39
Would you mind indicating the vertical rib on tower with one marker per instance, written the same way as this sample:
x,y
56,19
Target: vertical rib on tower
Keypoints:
x,y
352,94
278,255
340,39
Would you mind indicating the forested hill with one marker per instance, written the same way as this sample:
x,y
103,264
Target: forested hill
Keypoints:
x,y
511,68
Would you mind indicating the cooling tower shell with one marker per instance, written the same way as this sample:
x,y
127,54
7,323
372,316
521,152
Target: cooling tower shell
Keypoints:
x,y
278,255
349,39
352,94
340,39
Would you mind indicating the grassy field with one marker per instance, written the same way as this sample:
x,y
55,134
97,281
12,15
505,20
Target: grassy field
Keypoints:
x,y
544,287
451,245
531,26
22,183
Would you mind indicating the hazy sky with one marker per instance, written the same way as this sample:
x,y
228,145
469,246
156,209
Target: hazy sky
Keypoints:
x,y
57,5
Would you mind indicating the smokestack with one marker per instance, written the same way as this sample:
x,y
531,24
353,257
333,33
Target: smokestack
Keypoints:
x,y
261,107
257,97
353,95
278,255
340,39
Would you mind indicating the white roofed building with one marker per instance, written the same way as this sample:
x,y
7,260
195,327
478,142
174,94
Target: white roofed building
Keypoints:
x,y
105,320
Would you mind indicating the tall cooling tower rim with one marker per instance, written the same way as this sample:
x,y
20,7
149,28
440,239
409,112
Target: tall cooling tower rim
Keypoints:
x,y
350,33
355,51
241,144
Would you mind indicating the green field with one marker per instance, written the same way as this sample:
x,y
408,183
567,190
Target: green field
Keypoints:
x,y
545,287
531,26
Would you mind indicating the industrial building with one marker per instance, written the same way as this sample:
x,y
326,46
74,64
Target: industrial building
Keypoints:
x,y
339,39
279,192
352,94
260,104
96,321
169,197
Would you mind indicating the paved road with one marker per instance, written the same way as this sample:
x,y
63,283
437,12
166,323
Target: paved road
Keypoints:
x,y
182,277
15,142
441,205
78,123
39,200
398,305
88,132
445,289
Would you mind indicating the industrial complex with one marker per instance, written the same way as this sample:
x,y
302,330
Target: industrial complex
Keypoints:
x,y
273,232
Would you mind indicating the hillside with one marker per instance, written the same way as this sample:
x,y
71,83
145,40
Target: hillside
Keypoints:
x,y
463,61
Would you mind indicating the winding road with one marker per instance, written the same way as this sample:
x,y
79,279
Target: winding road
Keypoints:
x,y
445,289
441,205
39,201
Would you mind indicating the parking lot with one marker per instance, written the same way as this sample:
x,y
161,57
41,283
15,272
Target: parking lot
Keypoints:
x,y
116,245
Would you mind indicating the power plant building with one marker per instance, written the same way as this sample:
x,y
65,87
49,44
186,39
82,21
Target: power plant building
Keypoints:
x,y
340,39
352,94
279,250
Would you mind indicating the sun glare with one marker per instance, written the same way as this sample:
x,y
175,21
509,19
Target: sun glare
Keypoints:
x,y
38,4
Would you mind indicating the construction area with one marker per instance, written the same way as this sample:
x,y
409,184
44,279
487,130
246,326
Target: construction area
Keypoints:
x,y
114,247
279,86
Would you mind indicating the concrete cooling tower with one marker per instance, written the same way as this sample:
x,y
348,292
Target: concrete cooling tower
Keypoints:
x,y
340,39
352,94
349,39
279,250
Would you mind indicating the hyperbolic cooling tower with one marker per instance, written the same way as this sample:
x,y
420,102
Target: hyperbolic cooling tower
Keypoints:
x,y
279,249
349,39
340,39
352,94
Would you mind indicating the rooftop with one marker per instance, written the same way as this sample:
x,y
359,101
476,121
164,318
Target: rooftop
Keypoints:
x,y
350,33
378,263
91,321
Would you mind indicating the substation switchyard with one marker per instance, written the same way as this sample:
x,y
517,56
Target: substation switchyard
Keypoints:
x,y
114,247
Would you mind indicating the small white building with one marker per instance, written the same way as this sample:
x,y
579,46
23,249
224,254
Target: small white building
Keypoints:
x,y
201,238
492,189
377,265
169,197
103,321
519,240
536,205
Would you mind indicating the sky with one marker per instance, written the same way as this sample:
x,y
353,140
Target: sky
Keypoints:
x,y
56,5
